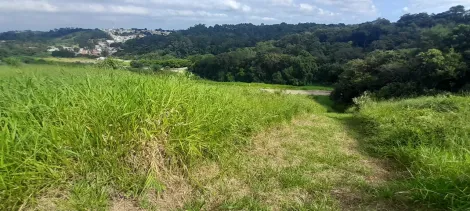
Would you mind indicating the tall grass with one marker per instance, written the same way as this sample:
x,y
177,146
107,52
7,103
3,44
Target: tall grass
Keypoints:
x,y
430,137
81,130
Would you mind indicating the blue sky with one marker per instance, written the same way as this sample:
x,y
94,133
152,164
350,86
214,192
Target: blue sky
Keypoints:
x,y
179,14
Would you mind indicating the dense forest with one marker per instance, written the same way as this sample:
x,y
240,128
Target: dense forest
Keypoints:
x,y
419,54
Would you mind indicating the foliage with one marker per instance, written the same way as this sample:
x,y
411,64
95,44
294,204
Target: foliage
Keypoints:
x,y
155,67
92,133
260,64
63,54
15,49
136,64
402,73
171,63
12,61
349,55
110,63
411,30
429,137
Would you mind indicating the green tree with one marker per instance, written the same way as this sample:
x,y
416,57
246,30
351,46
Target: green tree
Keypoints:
x,y
277,78
439,70
136,64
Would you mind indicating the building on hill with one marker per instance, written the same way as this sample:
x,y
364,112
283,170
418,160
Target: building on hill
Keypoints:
x,y
95,52
52,49
83,52
67,48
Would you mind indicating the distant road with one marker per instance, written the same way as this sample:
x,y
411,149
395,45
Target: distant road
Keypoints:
x,y
299,92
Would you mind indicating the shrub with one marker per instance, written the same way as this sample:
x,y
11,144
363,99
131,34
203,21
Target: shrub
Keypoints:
x,y
156,67
63,54
110,63
27,60
12,61
136,64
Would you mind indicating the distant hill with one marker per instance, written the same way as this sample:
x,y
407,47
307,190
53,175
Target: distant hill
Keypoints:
x,y
370,36
52,35
35,43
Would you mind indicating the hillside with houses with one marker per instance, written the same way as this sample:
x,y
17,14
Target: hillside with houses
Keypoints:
x,y
71,42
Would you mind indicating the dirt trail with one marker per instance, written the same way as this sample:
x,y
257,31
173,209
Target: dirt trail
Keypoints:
x,y
300,92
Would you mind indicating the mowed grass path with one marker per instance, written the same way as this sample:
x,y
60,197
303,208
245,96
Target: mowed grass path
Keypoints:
x,y
310,163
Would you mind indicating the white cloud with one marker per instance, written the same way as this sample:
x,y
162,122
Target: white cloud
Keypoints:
x,y
188,13
434,6
262,18
235,5
28,5
282,2
306,7
314,10
362,7
129,10
406,9
44,6
100,8
179,13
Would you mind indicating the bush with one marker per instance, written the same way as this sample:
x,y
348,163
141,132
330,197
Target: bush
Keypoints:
x,y
12,61
136,64
41,61
63,54
110,63
28,60
156,67
397,90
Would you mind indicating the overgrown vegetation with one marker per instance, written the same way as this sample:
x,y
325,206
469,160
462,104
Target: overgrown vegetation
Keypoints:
x,y
429,137
82,136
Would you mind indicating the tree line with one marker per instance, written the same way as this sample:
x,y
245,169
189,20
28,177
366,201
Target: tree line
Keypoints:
x,y
419,54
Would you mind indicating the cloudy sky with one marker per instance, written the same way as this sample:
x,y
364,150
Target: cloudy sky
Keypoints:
x,y
179,14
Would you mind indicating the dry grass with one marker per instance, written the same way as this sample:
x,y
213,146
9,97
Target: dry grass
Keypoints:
x,y
124,205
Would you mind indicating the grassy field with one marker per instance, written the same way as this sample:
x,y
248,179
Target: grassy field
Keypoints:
x,y
71,60
81,138
80,60
77,138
